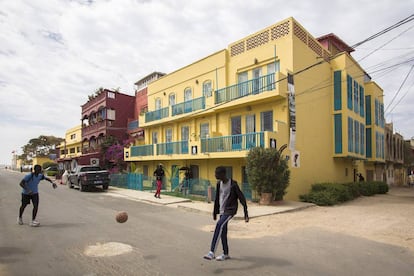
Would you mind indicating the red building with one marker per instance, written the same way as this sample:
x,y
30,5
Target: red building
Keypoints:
x,y
105,114
141,104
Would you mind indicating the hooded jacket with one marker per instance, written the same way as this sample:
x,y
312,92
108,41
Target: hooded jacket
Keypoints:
x,y
231,204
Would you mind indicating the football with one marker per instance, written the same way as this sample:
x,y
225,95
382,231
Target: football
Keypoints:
x,y
121,217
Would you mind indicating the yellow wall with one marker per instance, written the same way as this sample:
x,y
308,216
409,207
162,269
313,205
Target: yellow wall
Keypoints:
x,y
290,45
72,143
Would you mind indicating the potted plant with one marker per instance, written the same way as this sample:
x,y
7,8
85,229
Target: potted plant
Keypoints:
x,y
268,173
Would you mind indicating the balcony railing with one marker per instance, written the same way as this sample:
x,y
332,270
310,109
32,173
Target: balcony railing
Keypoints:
x,y
133,125
180,147
146,150
233,143
157,114
94,129
188,106
250,87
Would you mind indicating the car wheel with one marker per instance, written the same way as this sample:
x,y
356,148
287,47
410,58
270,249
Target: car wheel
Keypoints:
x,y
70,186
105,187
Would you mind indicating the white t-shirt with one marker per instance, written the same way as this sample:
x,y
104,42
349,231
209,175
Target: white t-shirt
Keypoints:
x,y
224,194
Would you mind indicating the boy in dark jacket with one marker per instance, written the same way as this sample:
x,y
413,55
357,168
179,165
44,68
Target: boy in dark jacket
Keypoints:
x,y
226,202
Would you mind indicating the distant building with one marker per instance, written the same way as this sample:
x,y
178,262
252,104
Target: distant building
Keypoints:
x,y
70,149
105,114
141,104
394,156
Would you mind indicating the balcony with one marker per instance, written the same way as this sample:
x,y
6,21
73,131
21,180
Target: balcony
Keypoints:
x,y
188,106
180,147
157,114
238,142
243,89
133,125
146,150
95,129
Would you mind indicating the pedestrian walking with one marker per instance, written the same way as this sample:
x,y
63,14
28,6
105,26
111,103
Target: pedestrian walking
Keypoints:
x,y
30,192
159,174
225,204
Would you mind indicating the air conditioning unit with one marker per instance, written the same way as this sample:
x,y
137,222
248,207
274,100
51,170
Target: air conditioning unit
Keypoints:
x,y
95,161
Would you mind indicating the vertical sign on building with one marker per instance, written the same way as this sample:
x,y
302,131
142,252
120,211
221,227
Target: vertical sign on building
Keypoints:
x,y
292,112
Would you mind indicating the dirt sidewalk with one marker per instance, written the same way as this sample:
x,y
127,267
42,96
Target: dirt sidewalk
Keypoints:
x,y
385,218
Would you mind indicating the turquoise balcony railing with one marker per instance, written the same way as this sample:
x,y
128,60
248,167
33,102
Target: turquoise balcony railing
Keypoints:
x,y
250,87
180,147
145,150
156,115
233,143
188,106
133,125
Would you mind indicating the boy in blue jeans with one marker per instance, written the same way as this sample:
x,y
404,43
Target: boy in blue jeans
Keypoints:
x,y
225,204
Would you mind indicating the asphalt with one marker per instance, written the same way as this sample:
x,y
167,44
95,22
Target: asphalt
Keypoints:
x,y
255,210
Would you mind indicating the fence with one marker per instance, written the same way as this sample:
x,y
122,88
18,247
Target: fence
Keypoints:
x,y
197,186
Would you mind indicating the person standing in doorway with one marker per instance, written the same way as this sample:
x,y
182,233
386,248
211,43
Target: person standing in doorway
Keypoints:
x,y
228,194
30,192
159,174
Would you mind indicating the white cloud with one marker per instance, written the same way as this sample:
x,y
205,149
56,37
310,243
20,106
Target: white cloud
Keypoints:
x,y
54,53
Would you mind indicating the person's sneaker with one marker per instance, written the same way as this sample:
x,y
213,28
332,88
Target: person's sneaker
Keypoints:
x,y
34,223
19,221
222,257
209,256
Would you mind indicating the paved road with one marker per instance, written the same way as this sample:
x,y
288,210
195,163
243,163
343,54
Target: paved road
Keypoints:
x,y
78,233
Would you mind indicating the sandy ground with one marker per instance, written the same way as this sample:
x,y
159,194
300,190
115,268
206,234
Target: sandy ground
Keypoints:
x,y
385,218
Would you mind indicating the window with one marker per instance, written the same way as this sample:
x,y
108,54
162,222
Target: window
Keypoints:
x,y
266,121
350,135
171,99
185,133
111,114
185,136
356,97
207,89
157,103
361,101
250,131
337,90
155,137
73,136
257,84
368,110
72,150
362,133
168,139
188,94
235,132
111,95
356,136
243,85
78,149
349,91
338,133
204,130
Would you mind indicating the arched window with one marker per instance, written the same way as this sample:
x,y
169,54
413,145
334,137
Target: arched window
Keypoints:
x,y
157,103
171,99
188,94
207,88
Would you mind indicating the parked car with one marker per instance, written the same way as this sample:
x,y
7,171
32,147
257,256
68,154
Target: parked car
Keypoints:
x,y
51,171
86,177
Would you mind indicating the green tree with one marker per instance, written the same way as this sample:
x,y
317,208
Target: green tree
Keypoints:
x,y
40,147
267,171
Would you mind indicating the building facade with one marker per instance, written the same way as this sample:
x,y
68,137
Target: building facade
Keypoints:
x,y
279,86
104,115
70,149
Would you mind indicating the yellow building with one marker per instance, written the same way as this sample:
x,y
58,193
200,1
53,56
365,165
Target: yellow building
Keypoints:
x,y
71,148
214,110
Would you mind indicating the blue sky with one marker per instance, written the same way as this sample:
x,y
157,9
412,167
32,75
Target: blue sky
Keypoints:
x,y
54,53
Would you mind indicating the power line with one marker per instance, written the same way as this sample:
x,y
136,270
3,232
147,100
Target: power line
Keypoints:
x,y
396,25
399,89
